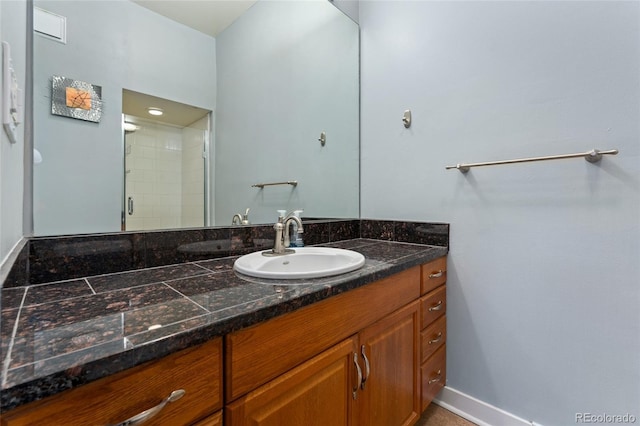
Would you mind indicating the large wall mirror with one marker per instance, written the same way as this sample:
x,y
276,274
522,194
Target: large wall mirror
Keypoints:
x,y
271,98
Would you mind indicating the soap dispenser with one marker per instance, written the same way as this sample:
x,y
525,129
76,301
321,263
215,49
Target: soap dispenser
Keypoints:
x,y
245,218
296,238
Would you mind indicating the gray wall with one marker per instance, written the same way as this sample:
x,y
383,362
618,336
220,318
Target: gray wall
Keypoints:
x,y
299,65
115,45
543,276
13,23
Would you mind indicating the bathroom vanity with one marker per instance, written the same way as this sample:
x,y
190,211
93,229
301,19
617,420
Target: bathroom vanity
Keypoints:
x,y
358,358
366,347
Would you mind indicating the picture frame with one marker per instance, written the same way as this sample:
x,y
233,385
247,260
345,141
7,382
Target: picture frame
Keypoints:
x,y
76,99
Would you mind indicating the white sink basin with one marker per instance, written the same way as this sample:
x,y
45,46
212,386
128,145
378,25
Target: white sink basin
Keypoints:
x,y
306,262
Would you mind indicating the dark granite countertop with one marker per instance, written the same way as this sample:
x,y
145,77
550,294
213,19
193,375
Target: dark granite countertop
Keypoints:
x,y
62,334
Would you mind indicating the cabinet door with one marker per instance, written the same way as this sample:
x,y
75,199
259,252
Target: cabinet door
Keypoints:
x,y
390,394
318,392
213,420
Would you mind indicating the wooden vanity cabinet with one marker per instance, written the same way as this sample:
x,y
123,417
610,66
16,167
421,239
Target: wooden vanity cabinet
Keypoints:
x,y
114,399
433,334
260,353
366,373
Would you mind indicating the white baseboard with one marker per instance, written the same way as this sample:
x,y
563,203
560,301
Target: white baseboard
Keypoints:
x,y
477,411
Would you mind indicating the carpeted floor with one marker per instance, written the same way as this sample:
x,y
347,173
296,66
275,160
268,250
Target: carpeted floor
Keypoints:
x,y
438,416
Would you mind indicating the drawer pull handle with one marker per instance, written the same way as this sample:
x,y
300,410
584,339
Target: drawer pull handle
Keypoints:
x,y
147,414
437,339
367,367
436,307
436,379
359,371
436,274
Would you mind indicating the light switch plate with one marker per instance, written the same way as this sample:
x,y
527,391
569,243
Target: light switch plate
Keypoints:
x,y
11,95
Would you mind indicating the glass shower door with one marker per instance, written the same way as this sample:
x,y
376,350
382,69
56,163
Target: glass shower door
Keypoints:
x,y
164,175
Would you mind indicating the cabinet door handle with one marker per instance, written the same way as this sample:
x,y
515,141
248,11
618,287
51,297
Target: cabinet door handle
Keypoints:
x,y
147,414
436,274
367,367
436,378
359,371
437,339
130,205
436,307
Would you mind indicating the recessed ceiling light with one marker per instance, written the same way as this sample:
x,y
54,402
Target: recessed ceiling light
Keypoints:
x,y
155,111
130,127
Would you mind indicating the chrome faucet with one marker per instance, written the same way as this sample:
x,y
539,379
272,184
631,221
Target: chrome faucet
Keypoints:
x,y
282,235
239,219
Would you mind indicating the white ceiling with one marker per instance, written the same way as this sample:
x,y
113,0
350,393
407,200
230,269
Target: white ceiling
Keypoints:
x,y
207,16
175,113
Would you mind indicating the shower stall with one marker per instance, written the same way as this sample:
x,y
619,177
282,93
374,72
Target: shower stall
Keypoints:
x,y
165,174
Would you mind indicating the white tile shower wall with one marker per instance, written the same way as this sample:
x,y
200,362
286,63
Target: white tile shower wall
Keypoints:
x,y
153,163
192,212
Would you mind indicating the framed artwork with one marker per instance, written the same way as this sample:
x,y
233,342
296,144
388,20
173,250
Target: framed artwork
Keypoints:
x,y
76,99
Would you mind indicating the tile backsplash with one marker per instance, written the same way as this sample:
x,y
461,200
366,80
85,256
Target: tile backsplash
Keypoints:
x,y
49,259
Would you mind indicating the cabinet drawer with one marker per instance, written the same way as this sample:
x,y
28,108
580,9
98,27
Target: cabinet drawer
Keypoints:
x,y
434,274
433,337
434,375
434,305
114,399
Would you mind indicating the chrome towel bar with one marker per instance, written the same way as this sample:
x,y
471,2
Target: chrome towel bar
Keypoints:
x,y
592,156
262,185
